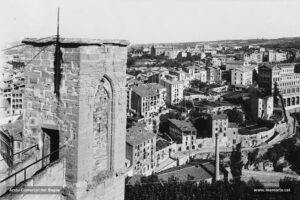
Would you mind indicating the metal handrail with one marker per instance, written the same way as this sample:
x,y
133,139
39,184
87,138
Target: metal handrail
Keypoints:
x,y
27,149
23,151
24,169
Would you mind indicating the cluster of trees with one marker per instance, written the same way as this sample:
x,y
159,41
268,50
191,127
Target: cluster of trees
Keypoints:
x,y
235,116
236,163
286,149
189,190
198,84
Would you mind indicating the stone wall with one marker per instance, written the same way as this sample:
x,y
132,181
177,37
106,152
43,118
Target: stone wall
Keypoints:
x,y
90,112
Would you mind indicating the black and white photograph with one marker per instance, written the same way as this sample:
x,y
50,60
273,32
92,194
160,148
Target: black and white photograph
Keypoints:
x,y
150,100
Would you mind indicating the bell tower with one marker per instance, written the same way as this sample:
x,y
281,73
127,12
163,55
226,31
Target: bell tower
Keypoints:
x,y
86,122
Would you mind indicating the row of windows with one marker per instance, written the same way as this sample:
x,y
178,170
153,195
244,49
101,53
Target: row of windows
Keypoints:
x,y
17,106
141,145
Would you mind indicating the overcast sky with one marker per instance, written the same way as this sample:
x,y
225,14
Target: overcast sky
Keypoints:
x,y
151,21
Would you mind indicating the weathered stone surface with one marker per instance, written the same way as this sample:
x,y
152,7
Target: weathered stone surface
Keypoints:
x,y
90,113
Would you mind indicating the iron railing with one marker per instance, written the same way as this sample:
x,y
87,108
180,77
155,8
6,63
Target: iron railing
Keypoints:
x,y
14,175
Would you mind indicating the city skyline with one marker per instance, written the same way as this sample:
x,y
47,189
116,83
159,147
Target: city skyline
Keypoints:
x,y
167,21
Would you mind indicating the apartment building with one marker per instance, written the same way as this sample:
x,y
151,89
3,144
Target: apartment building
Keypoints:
x,y
148,99
140,149
287,79
174,90
183,133
241,76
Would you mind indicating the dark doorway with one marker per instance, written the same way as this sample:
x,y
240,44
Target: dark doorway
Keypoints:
x,y
53,145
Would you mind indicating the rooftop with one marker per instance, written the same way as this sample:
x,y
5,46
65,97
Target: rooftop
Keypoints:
x,y
137,135
150,89
74,41
13,129
200,170
183,125
221,116
161,143
244,69
232,125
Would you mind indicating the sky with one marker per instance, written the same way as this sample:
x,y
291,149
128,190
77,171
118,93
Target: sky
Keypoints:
x,y
150,21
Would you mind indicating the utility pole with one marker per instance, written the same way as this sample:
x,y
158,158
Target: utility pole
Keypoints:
x,y
57,63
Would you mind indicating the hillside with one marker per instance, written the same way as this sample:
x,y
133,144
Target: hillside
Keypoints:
x,y
283,43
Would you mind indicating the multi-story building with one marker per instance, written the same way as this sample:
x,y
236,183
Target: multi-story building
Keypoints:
x,y
254,57
287,80
208,125
17,102
183,133
174,90
241,76
274,56
213,75
182,76
218,60
130,83
140,149
262,107
148,99
219,125
196,73
169,52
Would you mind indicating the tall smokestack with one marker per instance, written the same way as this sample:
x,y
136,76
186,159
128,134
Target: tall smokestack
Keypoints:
x,y
217,175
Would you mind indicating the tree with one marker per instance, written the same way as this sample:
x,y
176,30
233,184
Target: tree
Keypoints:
x,y
252,156
236,163
292,156
235,116
254,76
253,183
276,94
273,154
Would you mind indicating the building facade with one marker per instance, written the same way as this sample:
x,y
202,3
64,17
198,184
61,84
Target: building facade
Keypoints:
x,y
241,76
174,90
140,150
287,79
183,133
148,99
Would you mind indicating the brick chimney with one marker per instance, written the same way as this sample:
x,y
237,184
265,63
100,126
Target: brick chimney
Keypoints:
x,y
217,167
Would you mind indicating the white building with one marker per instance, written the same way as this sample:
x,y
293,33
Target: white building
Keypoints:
x,y
254,57
265,107
241,76
275,56
174,90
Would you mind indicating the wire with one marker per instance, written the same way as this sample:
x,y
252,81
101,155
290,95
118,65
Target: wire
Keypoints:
x,y
35,55
25,44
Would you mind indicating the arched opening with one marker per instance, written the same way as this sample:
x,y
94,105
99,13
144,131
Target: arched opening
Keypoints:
x,y
102,126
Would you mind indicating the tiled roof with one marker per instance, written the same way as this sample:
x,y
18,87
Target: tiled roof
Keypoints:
x,y
221,116
232,125
183,125
137,135
150,89
161,143
198,170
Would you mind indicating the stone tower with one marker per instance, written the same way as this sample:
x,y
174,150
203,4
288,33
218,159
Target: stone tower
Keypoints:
x,y
86,123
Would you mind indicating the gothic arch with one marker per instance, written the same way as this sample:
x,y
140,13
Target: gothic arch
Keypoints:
x,y
103,125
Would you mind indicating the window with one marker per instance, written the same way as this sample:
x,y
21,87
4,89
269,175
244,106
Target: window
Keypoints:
x,y
19,145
